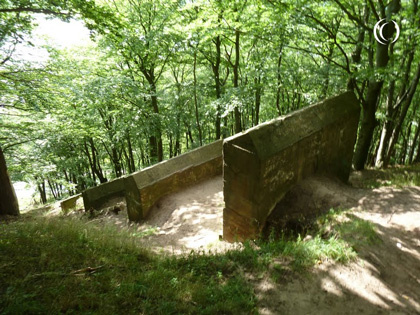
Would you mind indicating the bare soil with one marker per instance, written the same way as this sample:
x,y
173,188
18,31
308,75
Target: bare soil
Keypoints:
x,y
385,279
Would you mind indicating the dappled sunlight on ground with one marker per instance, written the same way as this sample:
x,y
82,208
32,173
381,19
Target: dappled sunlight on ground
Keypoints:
x,y
178,223
189,220
384,280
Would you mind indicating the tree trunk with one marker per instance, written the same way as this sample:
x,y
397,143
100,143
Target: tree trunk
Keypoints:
x,y
387,127
325,86
8,202
131,164
403,114
216,71
116,161
369,123
279,80
413,145
42,192
367,126
92,166
404,150
197,118
158,147
238,125
52,189
417,159
257,82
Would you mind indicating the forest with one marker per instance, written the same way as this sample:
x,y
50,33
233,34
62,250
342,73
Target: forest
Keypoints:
x,y
154,79
162,77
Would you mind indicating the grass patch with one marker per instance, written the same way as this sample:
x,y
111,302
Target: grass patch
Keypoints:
x,y
65,265
343,225
397,176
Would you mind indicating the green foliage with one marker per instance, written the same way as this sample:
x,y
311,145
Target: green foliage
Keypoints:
x,y
94,113
342,225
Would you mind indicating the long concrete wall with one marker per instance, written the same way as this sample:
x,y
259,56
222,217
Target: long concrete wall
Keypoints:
x,y
144,188
263,163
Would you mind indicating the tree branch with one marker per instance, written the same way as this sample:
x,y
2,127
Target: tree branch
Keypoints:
x,y
352,16
33,10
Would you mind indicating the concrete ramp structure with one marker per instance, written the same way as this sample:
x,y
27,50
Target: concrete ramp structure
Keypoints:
x,y
259,166
141,190
263,163
144,188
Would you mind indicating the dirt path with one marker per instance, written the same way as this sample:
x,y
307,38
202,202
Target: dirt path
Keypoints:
x,y
386,278
189,220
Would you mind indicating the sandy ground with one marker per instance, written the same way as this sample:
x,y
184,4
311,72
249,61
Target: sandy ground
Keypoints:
x,y
188,220
384,280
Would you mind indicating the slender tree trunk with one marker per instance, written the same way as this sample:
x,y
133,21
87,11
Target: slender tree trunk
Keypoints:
x,y
197,118
367,126
238,125
369,106
216,71
257,82
387,126
404,150
42,192
393,110
417,159
127,160
153,149
97,163
92,166
403,114
131,164
369,122
325,86
52,189
414,143
8,202
116,162
157,149
170,146
189,134
278,90
142,156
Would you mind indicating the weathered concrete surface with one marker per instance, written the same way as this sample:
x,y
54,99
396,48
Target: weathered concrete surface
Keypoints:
x,y
69,203
262,164
146,187
143,189
96,197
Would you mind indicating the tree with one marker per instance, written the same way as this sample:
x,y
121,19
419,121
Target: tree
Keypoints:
x,y
17,19
8,201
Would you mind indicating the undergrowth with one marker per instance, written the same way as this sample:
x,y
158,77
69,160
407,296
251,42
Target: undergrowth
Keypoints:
x,y
397,176
64,265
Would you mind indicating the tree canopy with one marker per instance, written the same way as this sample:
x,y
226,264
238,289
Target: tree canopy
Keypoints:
x,y
166,76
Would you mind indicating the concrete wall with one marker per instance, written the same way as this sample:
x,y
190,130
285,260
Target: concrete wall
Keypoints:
x,y
263,163
69,203
143,189
96,197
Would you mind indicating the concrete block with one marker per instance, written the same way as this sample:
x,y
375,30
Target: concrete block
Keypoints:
x,y
263,163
